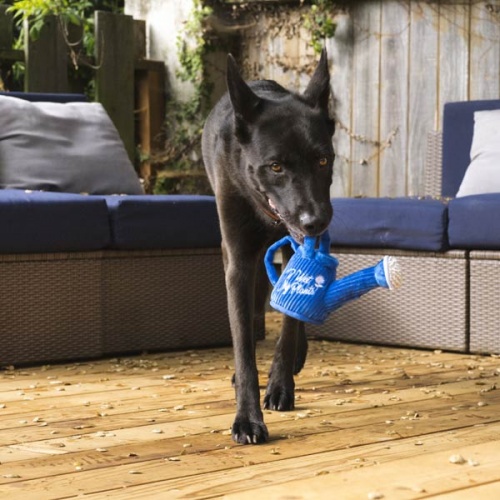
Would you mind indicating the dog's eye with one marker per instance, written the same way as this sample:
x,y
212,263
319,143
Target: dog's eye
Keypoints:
x,y
323,161
276,167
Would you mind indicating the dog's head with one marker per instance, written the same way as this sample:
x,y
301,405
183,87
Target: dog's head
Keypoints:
x,y
286,143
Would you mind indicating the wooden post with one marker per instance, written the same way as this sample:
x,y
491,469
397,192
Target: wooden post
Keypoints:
x,y
115,72
150,116
5,28
8,56
46,59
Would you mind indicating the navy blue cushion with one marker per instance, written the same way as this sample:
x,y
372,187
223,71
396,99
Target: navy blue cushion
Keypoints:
x,y
44,97
474,222
164,221
400,223
33,222
458,129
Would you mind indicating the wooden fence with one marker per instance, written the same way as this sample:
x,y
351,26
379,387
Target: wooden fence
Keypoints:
x,y
394,64
130,87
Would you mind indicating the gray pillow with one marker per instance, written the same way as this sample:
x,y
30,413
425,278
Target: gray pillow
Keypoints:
x,y
72,147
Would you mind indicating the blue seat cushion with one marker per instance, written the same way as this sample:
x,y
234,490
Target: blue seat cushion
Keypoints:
x,y
474,222
458,130
399,223
40,222
145,222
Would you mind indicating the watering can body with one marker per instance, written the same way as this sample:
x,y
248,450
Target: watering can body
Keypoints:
x,y
308,290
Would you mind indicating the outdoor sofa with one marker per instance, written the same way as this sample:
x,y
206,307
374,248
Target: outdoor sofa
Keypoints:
x,y
448,245
84,276
87,275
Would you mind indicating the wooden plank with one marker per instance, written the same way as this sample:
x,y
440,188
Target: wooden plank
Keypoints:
x,y
115,54
143,125
422,82
306,436
366,99
485,50
394,97
483,491
340,50
358,408
46,59
11,55
453,53
139,39
110,414
400,478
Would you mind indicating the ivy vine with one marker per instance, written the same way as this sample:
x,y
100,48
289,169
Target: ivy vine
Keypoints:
x,y
179,166
79,13
319,21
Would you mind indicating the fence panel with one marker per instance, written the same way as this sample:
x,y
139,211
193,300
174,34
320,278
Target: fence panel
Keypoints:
x,y
46,59
115,53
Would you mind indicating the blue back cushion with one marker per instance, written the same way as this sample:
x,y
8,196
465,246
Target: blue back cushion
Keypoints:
x,y
458,129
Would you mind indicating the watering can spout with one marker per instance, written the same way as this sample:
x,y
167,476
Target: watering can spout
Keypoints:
x,y
386,274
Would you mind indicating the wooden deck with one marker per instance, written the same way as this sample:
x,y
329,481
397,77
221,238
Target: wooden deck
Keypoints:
x,y
369,423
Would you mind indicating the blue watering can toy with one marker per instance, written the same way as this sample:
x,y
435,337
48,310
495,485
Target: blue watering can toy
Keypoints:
x,y
307,288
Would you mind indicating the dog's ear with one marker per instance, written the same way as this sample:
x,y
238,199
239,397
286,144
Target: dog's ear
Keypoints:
x,y
318,90
244,101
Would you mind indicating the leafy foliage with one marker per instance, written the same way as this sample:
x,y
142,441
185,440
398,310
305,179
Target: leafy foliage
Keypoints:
x,y
319,21
69,12
185,119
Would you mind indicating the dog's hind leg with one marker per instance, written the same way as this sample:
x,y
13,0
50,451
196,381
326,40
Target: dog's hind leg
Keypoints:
x,y
301,352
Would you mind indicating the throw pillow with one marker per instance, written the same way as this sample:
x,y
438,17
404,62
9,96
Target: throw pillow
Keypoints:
x,y
483,173
72,147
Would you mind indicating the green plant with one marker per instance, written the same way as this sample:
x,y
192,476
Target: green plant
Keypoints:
x,y
179,164
318,20
69,12
185,119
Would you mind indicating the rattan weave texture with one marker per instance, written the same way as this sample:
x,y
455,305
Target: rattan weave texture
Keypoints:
x,y
428,311
50,307
433,163
69,306
164,300
485,301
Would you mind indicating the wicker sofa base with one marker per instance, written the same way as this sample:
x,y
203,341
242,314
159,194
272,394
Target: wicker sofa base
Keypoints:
x,y
484,303
65,306
429,311
164,300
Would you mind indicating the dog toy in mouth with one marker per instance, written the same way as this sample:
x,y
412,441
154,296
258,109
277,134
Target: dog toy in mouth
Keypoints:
x,y
308,289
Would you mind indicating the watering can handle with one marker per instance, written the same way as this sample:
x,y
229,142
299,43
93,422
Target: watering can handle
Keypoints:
x,y
324,243
269,258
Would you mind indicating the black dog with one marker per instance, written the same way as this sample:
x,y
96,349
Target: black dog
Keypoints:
x,y
268,154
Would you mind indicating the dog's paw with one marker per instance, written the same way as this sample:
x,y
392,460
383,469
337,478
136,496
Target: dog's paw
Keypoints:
x,y
245,431
279,398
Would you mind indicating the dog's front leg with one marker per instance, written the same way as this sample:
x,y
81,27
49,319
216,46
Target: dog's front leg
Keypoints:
x,y
280,393
248,426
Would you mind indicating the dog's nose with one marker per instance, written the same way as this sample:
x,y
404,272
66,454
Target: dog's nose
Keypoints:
x,y
313,225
